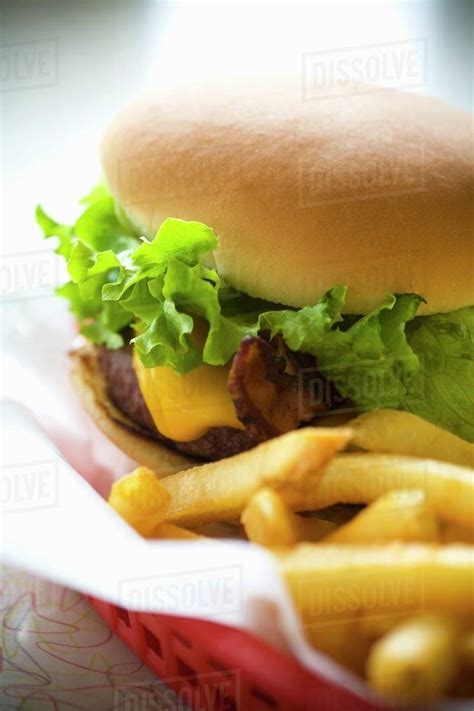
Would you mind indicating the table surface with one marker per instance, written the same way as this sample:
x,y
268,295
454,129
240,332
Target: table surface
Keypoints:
x,y
57,653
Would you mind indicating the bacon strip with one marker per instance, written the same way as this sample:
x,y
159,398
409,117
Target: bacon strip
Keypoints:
x,y
273,388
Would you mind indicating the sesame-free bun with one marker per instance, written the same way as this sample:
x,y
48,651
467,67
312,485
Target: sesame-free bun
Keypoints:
x,y
369,187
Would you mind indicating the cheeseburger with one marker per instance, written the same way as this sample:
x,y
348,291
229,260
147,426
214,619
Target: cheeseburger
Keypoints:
x,y
253,262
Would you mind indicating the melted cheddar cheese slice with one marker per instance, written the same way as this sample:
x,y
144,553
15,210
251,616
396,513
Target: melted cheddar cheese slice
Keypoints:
x,y
185,407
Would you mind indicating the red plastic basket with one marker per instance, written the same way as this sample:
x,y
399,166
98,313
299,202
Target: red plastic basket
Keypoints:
x,y
218,668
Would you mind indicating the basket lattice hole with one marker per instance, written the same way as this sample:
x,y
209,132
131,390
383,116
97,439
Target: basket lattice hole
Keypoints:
x,y
264,698
153,643
187,671
182,639
124,616
217,665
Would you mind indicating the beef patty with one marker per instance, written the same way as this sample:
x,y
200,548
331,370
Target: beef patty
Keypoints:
x,y
124,391
272,389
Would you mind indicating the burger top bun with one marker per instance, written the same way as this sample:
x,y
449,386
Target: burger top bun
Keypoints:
x,y
368,187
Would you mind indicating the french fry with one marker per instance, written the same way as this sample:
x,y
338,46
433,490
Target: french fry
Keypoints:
x,y
291,464
267,520
140,499
416,661
169,530
222,529
397,516
398,432
334,582
363,478
312,528
373,627
341,641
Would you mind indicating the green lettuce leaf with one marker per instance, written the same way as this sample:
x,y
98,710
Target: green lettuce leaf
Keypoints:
x,y
51,228
180,313
444,344
370,362
96,249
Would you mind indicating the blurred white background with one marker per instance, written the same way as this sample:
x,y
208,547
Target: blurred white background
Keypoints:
x,y
67,66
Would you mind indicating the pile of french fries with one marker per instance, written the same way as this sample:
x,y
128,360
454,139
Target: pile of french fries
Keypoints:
x,y
386,588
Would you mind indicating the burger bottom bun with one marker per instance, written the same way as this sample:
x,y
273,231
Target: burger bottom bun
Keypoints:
x,y
89,384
